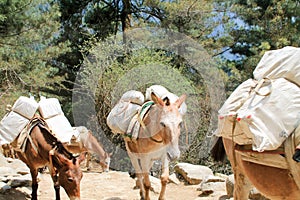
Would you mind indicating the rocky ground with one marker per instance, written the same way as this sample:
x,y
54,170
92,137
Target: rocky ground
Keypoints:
x,y
196,183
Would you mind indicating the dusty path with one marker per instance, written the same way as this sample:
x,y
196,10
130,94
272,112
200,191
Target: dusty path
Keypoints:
x,y
110,186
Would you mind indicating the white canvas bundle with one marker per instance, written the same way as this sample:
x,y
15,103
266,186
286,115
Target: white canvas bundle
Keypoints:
x,y
237,98
228,112
281,63
158,91
49,107
162,93
10,127
61,128
16,120
134,97
25,106
120,116
59,125
271,114
264,114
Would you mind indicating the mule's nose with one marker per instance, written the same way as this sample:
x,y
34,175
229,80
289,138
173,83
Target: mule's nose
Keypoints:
x,y
172,157
74,198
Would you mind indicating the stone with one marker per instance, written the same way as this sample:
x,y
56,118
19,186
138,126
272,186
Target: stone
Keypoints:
x,y
208,188
22,181
173,179
254,194
19,166
7,171
4,187
155,184
193,174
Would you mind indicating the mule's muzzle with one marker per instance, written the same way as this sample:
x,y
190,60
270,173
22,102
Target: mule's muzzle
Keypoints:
x,y
172,157
74,198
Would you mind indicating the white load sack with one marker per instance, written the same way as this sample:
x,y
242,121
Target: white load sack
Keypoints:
x,y
163,93
133,96
158,90
228,112
120,116
59,125
271,114
281,63
16,120
25,106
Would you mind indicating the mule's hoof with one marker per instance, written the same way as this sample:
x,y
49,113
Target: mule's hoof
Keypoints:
x,y
296,156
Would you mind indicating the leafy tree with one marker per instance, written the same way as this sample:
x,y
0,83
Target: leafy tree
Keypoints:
x,y
27,30
259,26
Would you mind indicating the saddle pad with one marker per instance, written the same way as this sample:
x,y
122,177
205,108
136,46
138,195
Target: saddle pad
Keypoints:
x,y
19,143
136,122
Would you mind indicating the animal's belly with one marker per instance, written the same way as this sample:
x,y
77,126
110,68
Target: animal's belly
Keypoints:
x,y
275,183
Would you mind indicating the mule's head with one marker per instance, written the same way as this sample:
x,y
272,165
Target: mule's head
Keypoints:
x,y
70,175
169,123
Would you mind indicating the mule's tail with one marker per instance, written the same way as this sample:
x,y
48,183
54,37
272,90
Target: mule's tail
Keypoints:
x,y
217,151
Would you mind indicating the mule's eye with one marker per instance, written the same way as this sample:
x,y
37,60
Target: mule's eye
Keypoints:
x,y
162,124
70,179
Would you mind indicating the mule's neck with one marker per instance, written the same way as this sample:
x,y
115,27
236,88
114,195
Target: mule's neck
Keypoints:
x,y
152,129
92,145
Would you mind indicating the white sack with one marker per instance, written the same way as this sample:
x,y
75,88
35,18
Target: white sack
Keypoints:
x,y
49,107
238,134
228,112
158,90
134,97
15,121
237,98
10,127
59,125
281,63
273,117
120,116
61,128
25,106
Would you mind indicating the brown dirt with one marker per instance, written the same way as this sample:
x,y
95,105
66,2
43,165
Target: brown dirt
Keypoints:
x,y
110,186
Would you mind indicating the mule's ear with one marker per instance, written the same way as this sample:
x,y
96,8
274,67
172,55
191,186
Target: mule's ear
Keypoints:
x,y
167,101
156,99
180,100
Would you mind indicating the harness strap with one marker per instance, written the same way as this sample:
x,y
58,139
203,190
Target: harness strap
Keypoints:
x,y
52,170
143,111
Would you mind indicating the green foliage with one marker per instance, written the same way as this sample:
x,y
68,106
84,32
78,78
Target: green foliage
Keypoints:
x,y
27,30
263,26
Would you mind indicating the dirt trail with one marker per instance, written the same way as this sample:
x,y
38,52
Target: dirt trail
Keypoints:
x,y
110,186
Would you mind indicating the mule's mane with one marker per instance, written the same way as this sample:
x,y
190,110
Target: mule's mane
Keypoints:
x,y
54,142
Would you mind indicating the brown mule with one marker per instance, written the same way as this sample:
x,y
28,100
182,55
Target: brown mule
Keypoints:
x,y
273,173
88,143
43,149
157,140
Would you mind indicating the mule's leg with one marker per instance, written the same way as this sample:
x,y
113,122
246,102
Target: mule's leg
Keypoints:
x,y
242,185
164,178
147,186
54,176
34,173
88,158
56,187
141,185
